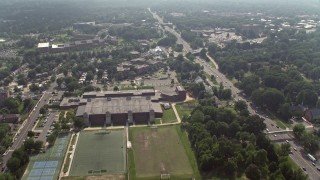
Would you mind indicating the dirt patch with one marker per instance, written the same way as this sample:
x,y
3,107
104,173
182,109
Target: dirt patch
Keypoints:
x,y
107,177
145,140
154,133
163,168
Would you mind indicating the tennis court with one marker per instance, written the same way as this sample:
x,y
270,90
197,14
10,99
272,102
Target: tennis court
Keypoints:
x,y
46,166
99,152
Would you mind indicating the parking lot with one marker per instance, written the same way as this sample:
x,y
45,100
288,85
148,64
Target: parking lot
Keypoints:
x,y
47,126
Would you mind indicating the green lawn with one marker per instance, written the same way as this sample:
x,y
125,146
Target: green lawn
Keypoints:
x,y
161,150
73,141
99,152
169,116
67,163
158,121
186,108
212,65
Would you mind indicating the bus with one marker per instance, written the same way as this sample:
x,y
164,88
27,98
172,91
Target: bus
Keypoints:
x,y
312,158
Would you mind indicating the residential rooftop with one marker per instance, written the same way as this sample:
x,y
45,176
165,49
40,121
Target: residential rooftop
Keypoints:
x,y
44,45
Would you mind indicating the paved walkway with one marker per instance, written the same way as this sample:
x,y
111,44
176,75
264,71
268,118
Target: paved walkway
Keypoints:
x,y
176,112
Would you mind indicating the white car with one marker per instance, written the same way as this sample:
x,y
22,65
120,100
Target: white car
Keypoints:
x,y
275,135
267,130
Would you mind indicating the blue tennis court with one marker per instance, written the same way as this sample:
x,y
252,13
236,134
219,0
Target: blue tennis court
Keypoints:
x,y
39,164
45,164
50,171
46,178
41,178
51,164
36,172
42,172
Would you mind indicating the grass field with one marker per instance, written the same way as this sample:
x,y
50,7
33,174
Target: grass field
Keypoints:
x,y
99,152
185,109
102,177
158,151
169,116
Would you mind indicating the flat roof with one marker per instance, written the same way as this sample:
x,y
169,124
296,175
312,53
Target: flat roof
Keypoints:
x,y
57,46
119,93
43,45
72,101
119,105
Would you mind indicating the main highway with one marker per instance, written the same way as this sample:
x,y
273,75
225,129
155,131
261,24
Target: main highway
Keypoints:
x,y
27,125
298,155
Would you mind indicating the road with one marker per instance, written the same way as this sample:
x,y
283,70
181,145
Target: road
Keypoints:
x,y
28,124
298,156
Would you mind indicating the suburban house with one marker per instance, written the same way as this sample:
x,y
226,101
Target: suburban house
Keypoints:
x,y
9,118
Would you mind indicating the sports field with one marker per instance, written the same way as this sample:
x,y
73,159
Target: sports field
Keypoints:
x,y
159,151
47,166
99,152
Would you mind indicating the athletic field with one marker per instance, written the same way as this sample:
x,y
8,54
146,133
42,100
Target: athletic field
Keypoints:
x,y
159,151
99,152
47,166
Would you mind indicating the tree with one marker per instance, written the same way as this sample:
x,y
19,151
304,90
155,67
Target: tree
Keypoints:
x,y
225,94
12,104
33,87
44,109
32,74
253,172
254,124
240,105
51,138
53,78
212,49
172,81
88,88
79,122
230,167
72,86
285,149
308,97
60,81
197,116
30,134
286,169
261,158
89,76
27,102
6,176
310,142
249,84
273,98
116,88
285,111
170,40
29,145
37,146
298,130
203,53
13,164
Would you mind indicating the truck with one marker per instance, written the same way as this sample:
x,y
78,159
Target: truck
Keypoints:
x,y
313,159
